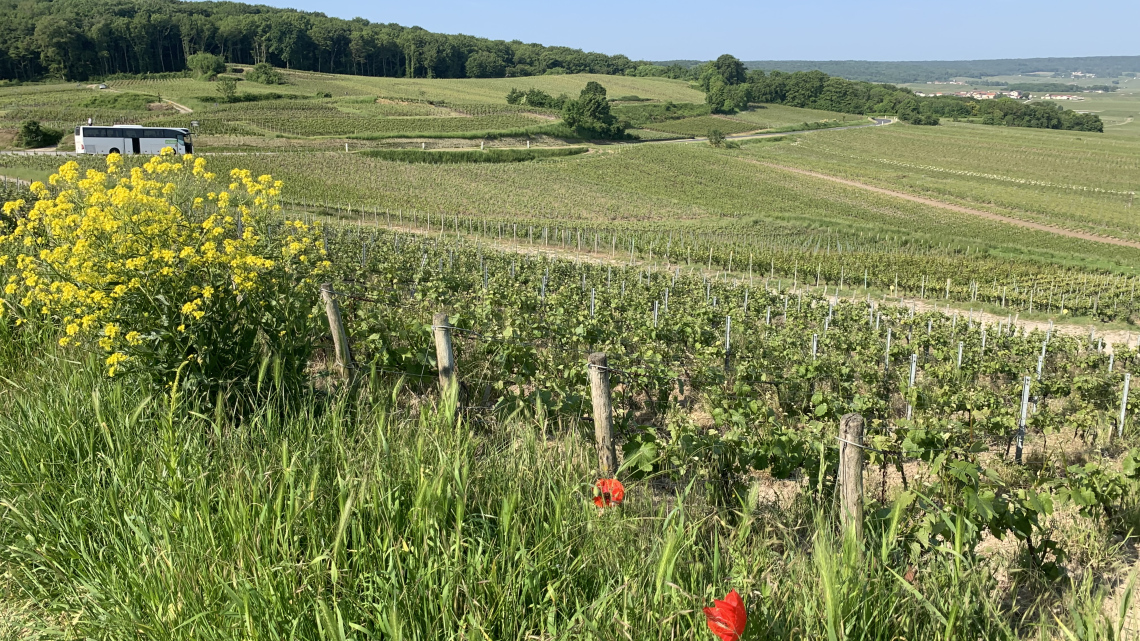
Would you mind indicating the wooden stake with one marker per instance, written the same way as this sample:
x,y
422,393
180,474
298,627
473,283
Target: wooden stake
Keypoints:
x,y
344,363
1021,422
444,355
851,472
599,374
1123,406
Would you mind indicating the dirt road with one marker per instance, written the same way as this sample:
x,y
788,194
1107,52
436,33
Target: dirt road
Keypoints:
x,y
952,207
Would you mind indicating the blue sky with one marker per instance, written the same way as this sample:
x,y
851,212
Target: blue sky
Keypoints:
x,y
819,30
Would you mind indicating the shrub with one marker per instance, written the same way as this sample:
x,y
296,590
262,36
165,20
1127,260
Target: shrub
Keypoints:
x,y
716,137
169,272
264,73
227,89
206,65
32,135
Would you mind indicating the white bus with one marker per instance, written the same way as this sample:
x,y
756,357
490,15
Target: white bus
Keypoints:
x,y
130,139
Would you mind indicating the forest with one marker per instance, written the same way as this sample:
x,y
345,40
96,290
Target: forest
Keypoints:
x,y
84,39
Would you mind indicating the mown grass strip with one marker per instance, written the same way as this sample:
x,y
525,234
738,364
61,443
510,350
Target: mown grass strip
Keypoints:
x,y
444,157
556,129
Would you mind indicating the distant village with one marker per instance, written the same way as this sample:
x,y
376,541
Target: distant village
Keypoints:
x,y
1016,95
990,95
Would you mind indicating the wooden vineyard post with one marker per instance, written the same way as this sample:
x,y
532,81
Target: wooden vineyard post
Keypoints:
x,y
603,413
1021,423
1123,406
344,363
444,355
851,472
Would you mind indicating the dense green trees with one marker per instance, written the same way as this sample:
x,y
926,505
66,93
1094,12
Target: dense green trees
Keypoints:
x,y
1042,115
590,115
723,83
726,92
485,64
79,39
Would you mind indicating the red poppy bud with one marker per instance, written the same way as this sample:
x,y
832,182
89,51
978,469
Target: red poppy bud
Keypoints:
x,y
727,618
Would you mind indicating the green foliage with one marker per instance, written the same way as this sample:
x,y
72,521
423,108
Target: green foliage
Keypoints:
x,y
226,88
593,88
485,64
206,65
537,98
472,156
724,98
729,69
31,135
716,138
817,90
264,73
590,114
1040,115
102,38
918,118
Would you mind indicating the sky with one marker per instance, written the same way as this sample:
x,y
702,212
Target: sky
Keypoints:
x,y
817,30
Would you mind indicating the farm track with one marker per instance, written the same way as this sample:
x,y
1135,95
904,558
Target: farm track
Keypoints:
x,y
981,213
1068,329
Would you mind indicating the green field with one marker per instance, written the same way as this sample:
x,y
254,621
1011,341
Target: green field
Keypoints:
x,y
701,125
1068,179
320,105
777,116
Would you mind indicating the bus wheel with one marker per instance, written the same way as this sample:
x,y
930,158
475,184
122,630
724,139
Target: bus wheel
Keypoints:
x,y
114,150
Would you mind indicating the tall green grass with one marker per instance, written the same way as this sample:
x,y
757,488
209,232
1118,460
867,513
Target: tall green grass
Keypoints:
x,y
378,515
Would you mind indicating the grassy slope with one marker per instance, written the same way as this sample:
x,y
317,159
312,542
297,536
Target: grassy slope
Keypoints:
x,y
348,111
461,91
776,116
701,125
994,167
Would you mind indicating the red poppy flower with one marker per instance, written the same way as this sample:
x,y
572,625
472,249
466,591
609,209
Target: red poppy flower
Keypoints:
x,y
608,492
727,618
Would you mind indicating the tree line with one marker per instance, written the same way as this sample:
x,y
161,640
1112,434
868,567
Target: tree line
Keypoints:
x,y
933,70
730,87
83,39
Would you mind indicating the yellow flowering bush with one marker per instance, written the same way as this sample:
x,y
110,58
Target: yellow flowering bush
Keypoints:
x,y
166,267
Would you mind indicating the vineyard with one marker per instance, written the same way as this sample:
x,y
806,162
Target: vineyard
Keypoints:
x,y
204,440
1064,179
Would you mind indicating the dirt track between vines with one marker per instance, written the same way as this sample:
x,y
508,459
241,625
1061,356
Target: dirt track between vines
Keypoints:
x,y
1068,329
952,207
